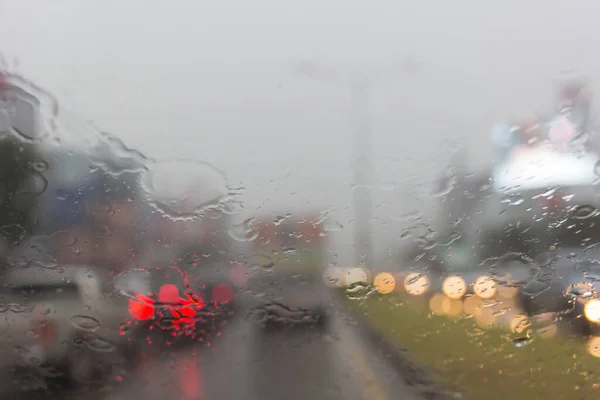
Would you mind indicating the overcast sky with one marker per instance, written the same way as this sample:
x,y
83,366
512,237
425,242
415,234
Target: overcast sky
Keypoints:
x,y
214,81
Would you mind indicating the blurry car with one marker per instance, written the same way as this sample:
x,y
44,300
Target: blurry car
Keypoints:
x,y
175,307
65,321
291,298
288,262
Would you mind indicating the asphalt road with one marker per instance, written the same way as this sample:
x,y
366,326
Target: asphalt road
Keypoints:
x,y
247,362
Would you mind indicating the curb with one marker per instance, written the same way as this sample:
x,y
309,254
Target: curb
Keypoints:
x,y
414,375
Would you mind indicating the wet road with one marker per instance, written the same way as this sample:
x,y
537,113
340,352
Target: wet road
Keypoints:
x,y
247,362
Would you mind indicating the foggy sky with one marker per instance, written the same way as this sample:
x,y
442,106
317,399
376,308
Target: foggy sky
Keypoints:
x,y
214,81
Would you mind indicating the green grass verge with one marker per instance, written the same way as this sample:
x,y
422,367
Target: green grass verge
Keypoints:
x,y
484,364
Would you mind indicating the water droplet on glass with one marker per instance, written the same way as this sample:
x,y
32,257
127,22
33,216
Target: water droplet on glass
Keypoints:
x,y
17,308
85,323
288,251
40,166
584,212
243,232
446,187
522,341
34,185
184,188
100,345
279,219
452,238
333,226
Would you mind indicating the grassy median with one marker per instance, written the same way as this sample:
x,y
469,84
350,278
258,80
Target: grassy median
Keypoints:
x,y
484,364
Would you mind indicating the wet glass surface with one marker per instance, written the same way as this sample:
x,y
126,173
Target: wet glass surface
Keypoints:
x,y
298,201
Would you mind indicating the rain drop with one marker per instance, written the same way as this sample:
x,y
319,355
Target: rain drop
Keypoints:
x,y
584,212
333,226
16,308
40,166
288,251
279,219
522,341
243,232
85,323
100,345
34,185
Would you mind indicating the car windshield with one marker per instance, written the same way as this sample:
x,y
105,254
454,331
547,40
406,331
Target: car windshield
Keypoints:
x,y
299,200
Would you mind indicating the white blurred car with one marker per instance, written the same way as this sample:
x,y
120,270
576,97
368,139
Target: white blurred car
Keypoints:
x,y
63,319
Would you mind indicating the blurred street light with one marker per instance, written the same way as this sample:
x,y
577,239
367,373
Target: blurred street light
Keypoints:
x,y
360,86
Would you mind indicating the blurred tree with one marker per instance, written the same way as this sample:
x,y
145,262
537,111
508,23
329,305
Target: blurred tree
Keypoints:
x,y
21,183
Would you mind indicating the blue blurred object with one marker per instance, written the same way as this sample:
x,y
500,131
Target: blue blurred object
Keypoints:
x,y
73,181
503,140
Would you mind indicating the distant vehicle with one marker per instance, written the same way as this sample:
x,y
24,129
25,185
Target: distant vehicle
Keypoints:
x,y
288,258
173,308
65,321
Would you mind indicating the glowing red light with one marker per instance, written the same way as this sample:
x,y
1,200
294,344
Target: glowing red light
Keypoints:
x,y
168,293
222,293
141,307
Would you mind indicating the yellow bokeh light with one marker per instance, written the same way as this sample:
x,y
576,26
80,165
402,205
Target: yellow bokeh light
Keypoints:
x,y
485,317
452,307
593,346
592,310
454,287
470,304
416,284
384,283
436,303
484,287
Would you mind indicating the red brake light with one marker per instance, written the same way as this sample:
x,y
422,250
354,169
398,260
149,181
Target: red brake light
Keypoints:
x,y
141,307
168,293
222,293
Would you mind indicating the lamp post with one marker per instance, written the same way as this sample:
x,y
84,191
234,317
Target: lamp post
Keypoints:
x,y
360,87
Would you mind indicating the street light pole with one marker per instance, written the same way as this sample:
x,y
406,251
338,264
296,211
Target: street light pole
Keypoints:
x,y
363,174
363,163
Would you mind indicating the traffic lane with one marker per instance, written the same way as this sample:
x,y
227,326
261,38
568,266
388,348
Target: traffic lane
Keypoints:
x,y
244,362
247,362
300,362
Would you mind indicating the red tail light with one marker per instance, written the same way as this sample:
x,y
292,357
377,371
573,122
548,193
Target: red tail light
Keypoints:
x,y
141,307
222,293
